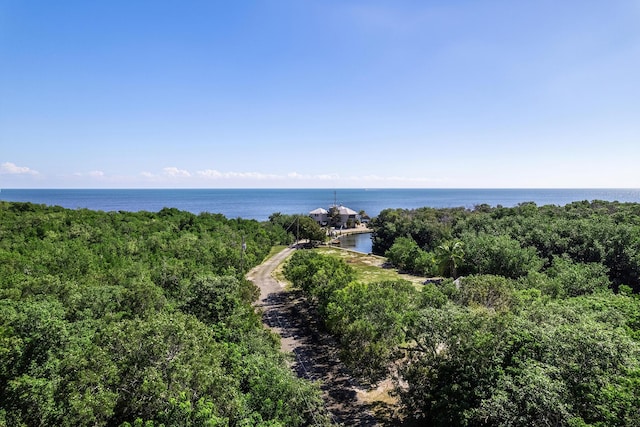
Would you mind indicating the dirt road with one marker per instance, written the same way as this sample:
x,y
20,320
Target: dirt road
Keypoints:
x,y
315,353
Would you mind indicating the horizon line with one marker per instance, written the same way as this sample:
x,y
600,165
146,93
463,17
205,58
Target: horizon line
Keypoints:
x,y
319,188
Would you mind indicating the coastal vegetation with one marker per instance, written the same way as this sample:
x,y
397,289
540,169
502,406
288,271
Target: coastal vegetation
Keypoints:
x,y
530,315
514,242
300,227
140,319
514,316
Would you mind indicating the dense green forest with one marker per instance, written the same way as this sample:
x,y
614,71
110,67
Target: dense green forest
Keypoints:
x,y
145,319
540,327
514,242
139,319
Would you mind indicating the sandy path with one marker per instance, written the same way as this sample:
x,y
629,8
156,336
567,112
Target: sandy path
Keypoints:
x,y
315,354
271,300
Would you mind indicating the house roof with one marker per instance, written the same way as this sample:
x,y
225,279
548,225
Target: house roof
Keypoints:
x,y
343,210
318,211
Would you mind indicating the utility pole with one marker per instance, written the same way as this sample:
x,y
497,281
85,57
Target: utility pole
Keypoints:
x,y
295,221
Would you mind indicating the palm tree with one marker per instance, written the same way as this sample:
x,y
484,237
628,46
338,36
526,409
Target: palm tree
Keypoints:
x,y
449,256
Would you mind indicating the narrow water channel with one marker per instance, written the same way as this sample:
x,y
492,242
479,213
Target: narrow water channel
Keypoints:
x,y
357,242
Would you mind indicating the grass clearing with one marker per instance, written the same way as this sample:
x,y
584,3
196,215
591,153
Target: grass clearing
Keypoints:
x,y
370,268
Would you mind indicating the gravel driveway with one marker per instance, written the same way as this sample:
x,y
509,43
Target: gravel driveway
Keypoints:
x,y
314,352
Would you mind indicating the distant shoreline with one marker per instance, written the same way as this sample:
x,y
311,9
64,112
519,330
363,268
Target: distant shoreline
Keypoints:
x,y
259,204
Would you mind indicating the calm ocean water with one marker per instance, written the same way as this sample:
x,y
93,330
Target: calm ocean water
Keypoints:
x,y
357,242
260,203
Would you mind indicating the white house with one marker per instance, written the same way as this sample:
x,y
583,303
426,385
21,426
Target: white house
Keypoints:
x,y
321,216
345,217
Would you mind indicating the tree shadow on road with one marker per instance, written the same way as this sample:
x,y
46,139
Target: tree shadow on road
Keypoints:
x,y
315,356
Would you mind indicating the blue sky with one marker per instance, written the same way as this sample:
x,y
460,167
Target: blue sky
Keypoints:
x,y
329,94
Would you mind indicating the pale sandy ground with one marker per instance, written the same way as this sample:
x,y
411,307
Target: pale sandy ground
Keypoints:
x,y
360,228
